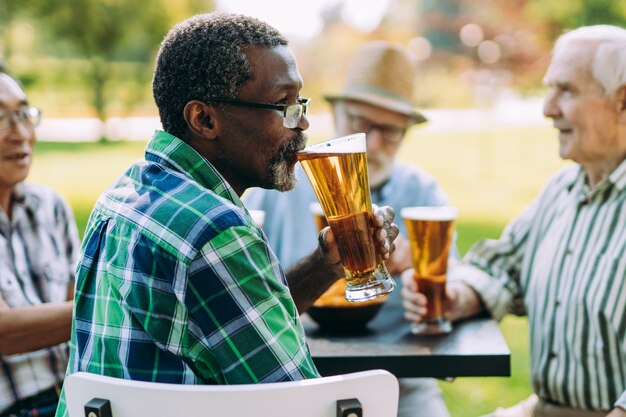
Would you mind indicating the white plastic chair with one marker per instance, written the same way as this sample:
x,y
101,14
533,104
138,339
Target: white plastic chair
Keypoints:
x,y
368,393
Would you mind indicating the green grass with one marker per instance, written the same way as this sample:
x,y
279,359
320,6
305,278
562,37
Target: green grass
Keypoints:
x,y
473,397
491,176
477,396
81,171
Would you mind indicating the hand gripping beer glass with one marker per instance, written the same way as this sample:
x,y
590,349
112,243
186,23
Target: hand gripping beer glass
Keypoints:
x,y
337,170
335,295
430,231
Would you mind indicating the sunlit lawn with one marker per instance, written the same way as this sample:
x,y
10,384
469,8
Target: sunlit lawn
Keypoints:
x,y
489,175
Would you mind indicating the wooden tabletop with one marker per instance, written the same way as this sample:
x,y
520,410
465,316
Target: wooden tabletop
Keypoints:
x,y
475,347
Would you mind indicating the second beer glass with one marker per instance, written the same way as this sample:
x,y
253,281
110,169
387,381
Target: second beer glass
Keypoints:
x,y
337,170
430,231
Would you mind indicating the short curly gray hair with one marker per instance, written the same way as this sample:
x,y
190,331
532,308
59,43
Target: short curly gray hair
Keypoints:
x,y
203,57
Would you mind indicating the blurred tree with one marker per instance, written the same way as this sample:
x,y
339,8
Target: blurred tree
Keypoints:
x,y
441,22
178,10
560,15
8,12
105,31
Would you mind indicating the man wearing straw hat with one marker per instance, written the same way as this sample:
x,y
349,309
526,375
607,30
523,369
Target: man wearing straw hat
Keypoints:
x,y
377,98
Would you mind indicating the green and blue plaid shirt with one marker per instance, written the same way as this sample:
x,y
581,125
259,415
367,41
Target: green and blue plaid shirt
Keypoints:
x,y
176,283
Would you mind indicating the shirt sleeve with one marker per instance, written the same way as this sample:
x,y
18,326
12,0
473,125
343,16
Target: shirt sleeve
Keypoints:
x,y
492,267
241,315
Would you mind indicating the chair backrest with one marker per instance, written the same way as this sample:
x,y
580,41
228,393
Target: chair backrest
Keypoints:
x,y
376,392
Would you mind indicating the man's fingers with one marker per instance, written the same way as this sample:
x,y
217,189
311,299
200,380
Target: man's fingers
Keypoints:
x,y
322,239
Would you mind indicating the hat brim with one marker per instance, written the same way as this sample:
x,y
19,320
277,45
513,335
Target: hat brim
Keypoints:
x,y
382,102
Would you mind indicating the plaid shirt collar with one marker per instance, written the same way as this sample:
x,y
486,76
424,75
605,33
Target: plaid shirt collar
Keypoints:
x,y
165,148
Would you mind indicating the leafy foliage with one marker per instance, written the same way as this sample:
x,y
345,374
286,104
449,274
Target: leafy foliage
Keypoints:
x,y
103,31
559,15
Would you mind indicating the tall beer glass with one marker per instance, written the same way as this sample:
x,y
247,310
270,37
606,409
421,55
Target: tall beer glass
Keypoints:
x,y
430,231
335,295
337,170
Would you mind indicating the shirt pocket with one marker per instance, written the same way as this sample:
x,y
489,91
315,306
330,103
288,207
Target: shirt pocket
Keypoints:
x,y
56,279
10,288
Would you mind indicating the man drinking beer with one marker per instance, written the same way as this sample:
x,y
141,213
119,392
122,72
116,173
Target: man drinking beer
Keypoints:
x,y
376,99
172,265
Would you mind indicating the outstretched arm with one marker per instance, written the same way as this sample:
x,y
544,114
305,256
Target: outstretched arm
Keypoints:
x,y
26,329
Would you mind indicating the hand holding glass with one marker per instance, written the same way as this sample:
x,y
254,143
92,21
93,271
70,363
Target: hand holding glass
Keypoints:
x,y
430,231
337,170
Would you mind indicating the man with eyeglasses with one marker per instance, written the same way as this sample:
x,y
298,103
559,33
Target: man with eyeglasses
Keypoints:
x,y
377,98
175,282
38,251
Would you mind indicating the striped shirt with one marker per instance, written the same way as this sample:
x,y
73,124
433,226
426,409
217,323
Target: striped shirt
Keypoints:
x,y
38,252
177,284
563,263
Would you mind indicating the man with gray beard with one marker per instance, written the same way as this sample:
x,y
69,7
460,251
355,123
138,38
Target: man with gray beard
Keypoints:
x,y
175,281
377,99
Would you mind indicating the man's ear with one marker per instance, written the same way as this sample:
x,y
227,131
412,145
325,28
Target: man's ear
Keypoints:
x,y
620,100
201,119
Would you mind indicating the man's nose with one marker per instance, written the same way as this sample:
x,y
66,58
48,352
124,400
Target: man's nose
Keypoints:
x,y
303,124
375,141
550,106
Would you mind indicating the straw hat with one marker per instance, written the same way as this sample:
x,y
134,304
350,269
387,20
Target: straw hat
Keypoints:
x,y
382,74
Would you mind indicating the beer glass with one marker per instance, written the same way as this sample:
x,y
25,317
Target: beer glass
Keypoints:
x,y
335,295
430,231
337,170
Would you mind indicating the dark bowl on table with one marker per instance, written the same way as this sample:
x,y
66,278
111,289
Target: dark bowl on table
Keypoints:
x,y
345,318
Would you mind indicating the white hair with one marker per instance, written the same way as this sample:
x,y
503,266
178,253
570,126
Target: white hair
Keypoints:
x,y
608,64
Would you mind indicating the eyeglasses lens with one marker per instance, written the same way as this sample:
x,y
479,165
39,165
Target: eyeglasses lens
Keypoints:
x,y
293,114
30,117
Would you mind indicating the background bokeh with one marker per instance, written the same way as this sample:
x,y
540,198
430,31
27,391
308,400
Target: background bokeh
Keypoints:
x,y
94,57
88,65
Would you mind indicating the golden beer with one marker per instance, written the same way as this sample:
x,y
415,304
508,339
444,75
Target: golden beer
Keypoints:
x,y
337,170
335,295
430,231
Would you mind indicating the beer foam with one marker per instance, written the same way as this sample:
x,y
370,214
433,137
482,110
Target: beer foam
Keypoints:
x,y
354,143
434,213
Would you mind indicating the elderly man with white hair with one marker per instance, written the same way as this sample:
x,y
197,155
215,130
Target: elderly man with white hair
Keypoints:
x,y
563,261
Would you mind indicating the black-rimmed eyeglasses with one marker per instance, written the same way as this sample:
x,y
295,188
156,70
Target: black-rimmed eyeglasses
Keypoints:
x,y
292,113
391,134
28,116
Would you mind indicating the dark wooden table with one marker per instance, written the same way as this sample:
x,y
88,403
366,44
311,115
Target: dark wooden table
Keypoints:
x,y
475,347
